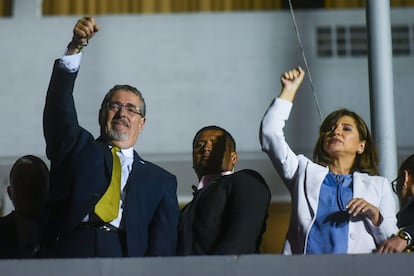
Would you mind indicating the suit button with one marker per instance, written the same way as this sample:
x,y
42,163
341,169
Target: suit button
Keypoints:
x,y
352,236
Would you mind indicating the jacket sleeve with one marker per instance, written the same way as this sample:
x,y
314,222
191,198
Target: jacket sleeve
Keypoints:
x,y
387,208
60,123
272,139
405,218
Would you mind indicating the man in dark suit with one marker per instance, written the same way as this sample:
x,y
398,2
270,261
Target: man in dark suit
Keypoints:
x,y
20,231
144,220
229,210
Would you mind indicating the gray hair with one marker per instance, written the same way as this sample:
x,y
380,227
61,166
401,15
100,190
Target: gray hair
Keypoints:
x,y
129,88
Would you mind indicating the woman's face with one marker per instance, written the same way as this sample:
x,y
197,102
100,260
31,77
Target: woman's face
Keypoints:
x,y
343,139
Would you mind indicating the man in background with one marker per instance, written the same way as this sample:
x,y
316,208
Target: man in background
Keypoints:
x,y
21,230
229,210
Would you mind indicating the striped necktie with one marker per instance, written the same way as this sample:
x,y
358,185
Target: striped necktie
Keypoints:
x,y
108,206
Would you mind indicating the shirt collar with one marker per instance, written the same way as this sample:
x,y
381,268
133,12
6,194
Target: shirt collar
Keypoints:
x,y
206,179
129,152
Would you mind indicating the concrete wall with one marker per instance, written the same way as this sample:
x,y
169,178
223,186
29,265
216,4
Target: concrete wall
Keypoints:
x,y
244,265
194,70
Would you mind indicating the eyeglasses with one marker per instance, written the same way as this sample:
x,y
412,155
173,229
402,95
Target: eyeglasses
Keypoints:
x,y
130,108
396,186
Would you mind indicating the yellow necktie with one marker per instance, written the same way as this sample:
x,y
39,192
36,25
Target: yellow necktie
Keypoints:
x,y
108,206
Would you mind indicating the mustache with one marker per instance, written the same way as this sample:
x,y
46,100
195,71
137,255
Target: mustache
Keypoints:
x,y
120,121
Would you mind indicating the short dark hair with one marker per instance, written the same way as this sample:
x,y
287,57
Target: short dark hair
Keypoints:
x,y
38,168
126,87
407,164
29,185
230,142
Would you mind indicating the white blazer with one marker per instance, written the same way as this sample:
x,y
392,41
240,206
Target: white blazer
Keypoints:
x,y
304,178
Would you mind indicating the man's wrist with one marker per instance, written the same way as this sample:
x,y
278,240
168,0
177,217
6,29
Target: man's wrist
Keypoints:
x,y
75,46
405,236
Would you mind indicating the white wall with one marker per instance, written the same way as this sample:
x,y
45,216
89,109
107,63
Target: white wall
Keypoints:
x,y
194,70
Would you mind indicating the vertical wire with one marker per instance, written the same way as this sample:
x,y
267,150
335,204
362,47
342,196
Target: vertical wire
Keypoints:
x,y
305,61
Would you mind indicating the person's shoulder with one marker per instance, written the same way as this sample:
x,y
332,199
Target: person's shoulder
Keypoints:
x,y
9,217
365,175
7,222
249,173
156,168
250,182
152,167
249,177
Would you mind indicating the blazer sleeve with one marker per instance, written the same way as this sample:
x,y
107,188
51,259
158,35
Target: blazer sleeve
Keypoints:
x,y
60,122
405,218
273,141
377,191
387,208
410,229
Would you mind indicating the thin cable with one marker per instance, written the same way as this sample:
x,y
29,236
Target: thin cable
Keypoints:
x,y
305,60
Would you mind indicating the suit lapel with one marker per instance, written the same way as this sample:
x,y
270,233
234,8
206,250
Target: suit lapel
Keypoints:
x,y
135,178
104,147
108,163
137,171
135,197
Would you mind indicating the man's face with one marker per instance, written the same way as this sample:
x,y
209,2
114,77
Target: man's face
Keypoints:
x,y
211,154
120,126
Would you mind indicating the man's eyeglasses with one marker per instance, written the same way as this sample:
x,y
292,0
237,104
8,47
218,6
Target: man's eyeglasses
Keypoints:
x,y
130,108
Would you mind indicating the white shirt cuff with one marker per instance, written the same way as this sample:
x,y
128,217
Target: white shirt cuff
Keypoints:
x,y
70,63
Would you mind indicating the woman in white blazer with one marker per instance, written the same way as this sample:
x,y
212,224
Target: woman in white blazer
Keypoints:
x,y
339,203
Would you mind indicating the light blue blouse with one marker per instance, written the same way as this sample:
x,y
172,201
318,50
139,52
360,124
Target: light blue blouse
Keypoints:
x,y
329,233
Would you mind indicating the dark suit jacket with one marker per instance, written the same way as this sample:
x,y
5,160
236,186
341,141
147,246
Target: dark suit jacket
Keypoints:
x,y
8,237
228,216
80,173
405,218
10,245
